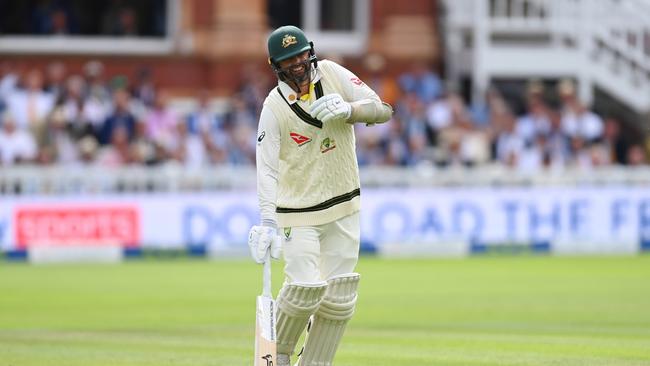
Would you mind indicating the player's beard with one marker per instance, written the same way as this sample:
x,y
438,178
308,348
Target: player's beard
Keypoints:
x,y
299,73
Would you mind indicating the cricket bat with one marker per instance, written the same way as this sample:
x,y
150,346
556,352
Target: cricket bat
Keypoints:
x,y
265,337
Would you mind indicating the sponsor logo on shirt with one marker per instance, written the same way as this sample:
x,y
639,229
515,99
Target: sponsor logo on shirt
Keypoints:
x,y
356,81
261,136
299,139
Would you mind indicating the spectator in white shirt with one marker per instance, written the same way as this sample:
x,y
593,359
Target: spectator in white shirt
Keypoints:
x,y
16,145
31,106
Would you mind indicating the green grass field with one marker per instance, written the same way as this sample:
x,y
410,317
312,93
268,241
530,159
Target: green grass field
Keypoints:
x,y
477,311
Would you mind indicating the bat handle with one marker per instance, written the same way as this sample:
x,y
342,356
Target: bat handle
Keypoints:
x,y
266,276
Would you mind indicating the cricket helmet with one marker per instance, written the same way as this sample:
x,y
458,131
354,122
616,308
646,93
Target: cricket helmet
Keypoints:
x,y
286,42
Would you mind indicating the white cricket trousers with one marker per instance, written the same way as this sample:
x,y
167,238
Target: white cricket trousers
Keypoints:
x,y
317,253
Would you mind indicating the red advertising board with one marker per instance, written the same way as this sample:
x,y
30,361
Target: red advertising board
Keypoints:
x,y
77,225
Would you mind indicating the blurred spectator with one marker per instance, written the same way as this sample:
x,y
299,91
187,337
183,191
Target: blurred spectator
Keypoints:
x,y
59,145
118,152
16,145
207,125
82,116
50,17
144,88
508,144
577,119
556,152
636,156
535,122
613,141
254,89
121,117
396,149
371,143
161,122
143,150
421,81
188,149
30,106
95,87
55,78
120,20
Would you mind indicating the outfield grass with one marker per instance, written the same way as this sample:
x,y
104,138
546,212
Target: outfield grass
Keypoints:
x,y
478,311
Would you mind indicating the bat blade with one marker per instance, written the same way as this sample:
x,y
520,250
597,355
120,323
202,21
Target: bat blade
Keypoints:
x,y
265,337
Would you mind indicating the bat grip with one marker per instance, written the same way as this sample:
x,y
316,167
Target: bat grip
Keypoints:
x,y
266,276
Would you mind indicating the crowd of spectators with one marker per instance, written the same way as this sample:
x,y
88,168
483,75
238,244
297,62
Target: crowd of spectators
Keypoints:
x,y
52,117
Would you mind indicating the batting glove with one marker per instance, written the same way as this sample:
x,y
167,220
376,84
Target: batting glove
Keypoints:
x,y
262,239
331,108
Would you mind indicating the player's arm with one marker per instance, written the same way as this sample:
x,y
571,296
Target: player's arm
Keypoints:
x,y
366,105
263,238
267,155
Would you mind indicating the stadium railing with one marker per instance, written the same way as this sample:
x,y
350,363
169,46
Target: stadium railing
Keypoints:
x,y
32,180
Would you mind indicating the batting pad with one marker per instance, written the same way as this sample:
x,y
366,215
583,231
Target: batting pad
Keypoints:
x,y
296,303
330,320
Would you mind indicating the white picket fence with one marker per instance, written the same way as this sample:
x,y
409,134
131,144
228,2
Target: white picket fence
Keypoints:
x,y
26,180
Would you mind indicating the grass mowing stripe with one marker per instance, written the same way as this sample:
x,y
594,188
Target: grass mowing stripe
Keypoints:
x,y
479,311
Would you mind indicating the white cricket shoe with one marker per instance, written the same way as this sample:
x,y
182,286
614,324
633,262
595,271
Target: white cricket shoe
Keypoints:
x,y
283,360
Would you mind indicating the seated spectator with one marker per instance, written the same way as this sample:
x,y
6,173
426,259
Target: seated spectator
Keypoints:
x,y
577,119
508,144
59,144
144,88
161,122
55,78
535,122
421,81
636,156
31,105
188,149
121,117
94,78
83,117
16,145
613,141
210,127
118,152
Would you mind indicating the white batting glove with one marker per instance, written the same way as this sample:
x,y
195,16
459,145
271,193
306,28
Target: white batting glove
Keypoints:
x,y
331,108
262,239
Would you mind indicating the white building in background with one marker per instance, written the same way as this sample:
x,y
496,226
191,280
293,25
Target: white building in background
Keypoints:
x,y
601,44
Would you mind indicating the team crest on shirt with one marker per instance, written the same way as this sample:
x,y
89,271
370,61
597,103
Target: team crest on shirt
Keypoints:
x,y
299,139
327,144
287,233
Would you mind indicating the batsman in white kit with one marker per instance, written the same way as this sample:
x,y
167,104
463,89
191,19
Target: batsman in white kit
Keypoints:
x,y
309,193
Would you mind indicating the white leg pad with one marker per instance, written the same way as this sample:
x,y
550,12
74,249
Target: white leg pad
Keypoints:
x,y
330,320
296,302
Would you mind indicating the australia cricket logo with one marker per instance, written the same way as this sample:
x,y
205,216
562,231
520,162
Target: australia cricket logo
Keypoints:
x,y
288,40
268,359
327,145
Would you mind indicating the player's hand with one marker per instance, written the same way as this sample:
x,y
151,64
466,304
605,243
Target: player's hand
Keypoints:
x,y
331,108
262,239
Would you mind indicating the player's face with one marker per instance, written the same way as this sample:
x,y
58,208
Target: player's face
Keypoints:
x,y
296,66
